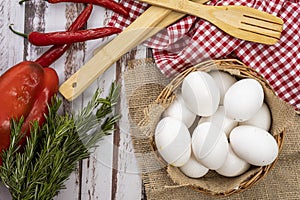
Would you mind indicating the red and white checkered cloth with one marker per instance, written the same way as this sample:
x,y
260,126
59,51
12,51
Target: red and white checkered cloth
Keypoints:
x,y
191,40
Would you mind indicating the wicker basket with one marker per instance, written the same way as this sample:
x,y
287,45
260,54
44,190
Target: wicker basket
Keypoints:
x,y
212,181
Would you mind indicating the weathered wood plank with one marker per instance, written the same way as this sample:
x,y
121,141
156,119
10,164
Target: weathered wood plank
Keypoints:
x,y
96,171
41,16
127,169
4,193
11,48
34,20
11,45
69,63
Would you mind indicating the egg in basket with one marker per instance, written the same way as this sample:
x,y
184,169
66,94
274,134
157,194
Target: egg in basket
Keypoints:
x,y
222,128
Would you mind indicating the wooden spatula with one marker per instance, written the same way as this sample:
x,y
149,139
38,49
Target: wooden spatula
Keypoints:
x,y
146,25
239,21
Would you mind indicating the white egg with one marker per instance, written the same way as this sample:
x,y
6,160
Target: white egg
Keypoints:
x,y
243,99
254,145
178,110
221,120
209,145
200,93
224,81
173,141
261,119
233,166
193,168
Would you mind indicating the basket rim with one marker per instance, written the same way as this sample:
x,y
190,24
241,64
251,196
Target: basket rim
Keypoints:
x,y
234,63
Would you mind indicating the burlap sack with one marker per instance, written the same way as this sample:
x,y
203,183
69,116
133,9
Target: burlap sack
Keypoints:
x,y
143,83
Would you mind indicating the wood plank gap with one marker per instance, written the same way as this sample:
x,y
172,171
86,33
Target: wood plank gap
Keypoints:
x,y
80,167
79,179
149,53
80,163
116,141
114,183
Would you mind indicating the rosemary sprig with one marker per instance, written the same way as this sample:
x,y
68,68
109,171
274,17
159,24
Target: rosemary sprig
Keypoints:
x,y
52,152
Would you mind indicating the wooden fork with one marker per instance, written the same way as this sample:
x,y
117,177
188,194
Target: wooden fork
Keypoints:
x,y
238,21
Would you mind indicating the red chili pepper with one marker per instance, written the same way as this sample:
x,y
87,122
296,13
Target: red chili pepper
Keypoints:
x,y
26,90
110,4
56,52
65,37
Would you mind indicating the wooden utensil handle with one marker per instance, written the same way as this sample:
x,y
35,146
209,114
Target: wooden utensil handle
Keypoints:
x,y
112,52
138,31
169,19
184,6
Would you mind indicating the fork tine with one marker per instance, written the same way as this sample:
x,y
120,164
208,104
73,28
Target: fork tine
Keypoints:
x,y
262,22
256,37
255,13
260,30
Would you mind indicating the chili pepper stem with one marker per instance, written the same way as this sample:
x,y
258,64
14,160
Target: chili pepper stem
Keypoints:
x,y
22,1
18,33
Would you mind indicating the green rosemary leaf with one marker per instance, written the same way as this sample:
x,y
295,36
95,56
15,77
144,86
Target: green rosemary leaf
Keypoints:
x,y
109,102
53,151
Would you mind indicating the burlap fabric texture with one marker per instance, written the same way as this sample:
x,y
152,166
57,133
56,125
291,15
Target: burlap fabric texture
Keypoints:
x,y
143,84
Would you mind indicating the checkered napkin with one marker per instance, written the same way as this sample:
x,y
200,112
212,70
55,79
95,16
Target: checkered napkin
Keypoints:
x,y
192,40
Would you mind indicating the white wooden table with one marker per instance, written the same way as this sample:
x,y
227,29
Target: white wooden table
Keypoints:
x,y
111,172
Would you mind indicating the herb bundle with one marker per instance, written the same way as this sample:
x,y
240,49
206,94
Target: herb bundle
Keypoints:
x,y
39,170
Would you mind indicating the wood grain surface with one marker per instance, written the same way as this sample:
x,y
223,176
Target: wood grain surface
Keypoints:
x,y
111,171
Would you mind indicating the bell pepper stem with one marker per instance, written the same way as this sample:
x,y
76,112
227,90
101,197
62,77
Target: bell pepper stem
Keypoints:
x,y
18,33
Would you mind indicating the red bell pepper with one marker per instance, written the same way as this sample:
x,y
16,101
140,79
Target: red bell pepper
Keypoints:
x,y
26,90
40,107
